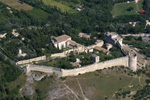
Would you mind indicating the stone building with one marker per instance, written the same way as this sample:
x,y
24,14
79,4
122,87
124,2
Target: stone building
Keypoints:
x,y
87,36
61,41
21,54
95,58
99,43
3,35
136,1
64,41
113,38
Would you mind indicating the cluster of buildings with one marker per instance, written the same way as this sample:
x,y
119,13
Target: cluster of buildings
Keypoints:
x,y
14,32
66,43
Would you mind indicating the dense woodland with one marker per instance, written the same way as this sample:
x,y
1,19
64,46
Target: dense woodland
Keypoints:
x,y
8,76
95,19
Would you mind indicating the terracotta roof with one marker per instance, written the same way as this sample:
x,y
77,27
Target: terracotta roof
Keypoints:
x,y
62,38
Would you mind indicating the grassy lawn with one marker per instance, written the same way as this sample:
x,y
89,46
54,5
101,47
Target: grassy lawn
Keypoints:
x,y
62,7
38,13
69,3
121,8
16,5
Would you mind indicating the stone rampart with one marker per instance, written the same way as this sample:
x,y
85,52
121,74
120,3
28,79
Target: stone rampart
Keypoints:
x,y
31,60
41,68
123,61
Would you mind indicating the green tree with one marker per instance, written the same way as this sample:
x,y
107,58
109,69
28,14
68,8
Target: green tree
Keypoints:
x,y
130,9
148,28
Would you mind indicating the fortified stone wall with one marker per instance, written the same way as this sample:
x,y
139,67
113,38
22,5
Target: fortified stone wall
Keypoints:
x,y
31,60
97,66
41,68
73,72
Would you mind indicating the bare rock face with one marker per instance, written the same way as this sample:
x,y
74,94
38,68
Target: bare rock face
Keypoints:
x,y
29,87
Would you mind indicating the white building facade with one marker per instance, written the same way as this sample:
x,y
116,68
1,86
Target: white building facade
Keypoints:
x,y
61,41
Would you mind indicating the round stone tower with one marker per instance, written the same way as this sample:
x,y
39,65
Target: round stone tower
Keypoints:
x,y
133,62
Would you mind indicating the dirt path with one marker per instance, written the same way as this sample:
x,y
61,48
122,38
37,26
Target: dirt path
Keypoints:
x,y
81,90
71,91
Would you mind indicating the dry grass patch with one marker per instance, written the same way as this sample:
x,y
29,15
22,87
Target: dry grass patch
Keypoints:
x,y
16,5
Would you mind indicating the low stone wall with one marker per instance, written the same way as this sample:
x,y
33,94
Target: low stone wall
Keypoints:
x,y
58,55
65,53
138,35
31,60
123,61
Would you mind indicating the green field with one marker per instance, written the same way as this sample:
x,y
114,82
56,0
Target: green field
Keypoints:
x,y
62,7
38,13
16,5
121,8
